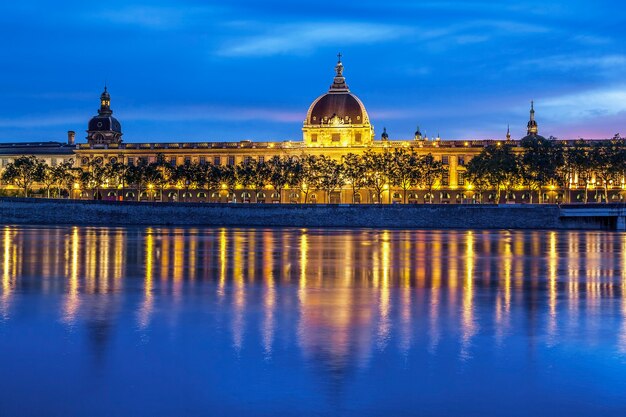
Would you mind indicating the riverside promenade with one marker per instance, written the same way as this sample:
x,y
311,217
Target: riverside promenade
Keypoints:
x,y
34,211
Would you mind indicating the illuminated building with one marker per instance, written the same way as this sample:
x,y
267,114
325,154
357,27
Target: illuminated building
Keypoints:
x,y
336,123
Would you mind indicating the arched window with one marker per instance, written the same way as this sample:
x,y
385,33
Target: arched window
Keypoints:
x,y
397,195
187,194
294,195
113,160
215,195
313,198
260,195
276,195
201,194
112,194
84,160
444,195
130,194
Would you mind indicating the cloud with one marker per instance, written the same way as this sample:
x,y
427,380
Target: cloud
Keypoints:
x,y
574,62
214,113
306,37
155,17
30,121
586,105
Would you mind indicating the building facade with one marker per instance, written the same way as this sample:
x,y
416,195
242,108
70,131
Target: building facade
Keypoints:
x,y
336,124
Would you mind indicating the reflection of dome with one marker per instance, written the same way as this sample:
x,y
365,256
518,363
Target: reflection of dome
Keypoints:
x,y
338,106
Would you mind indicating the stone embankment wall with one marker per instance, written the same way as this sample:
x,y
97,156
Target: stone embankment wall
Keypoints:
x,y
103,213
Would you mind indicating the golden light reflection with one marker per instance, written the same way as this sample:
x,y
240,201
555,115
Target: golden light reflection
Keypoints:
x,y
384,326
222,278
7,263
553,263
146,309
622,336
72,301
269,296
435,296
503,301
239,295
468,326
339,295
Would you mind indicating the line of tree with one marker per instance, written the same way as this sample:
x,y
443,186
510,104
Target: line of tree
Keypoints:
x,y
548,163
542,163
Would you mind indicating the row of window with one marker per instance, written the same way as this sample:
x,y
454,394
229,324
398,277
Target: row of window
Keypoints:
x,y
202,160
217,160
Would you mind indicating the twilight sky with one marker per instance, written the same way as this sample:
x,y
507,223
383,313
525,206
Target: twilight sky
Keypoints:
x,y
191,70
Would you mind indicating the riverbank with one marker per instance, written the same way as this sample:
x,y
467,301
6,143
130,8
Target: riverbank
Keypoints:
x,y
436,216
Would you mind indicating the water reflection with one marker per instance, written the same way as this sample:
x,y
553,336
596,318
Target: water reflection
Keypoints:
x,y
340,298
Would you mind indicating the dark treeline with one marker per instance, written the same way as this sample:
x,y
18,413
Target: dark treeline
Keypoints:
x,y
499,168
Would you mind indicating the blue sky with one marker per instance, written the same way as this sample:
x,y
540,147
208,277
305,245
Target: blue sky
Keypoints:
x,y
184,70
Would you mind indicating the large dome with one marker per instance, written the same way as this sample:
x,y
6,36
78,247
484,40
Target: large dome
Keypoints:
x,y
344,107
338,106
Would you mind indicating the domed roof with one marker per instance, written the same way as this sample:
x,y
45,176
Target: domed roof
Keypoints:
x,y
104,121
532,127
339,105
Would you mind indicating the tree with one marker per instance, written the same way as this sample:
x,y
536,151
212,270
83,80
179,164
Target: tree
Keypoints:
x,y
582,164
565,171
253,175
376,174
24,172
279,173
139,176
228,177
186,176
497,165
302,175
607,160
431,173
406,171
354,173
328,175
539,163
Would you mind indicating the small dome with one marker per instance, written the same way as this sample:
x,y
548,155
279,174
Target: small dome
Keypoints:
x,y
533,136
103,123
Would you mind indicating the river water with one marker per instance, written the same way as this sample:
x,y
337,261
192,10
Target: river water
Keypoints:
x,y
298,322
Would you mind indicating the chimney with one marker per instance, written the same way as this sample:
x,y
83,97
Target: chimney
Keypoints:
x,y
71,137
